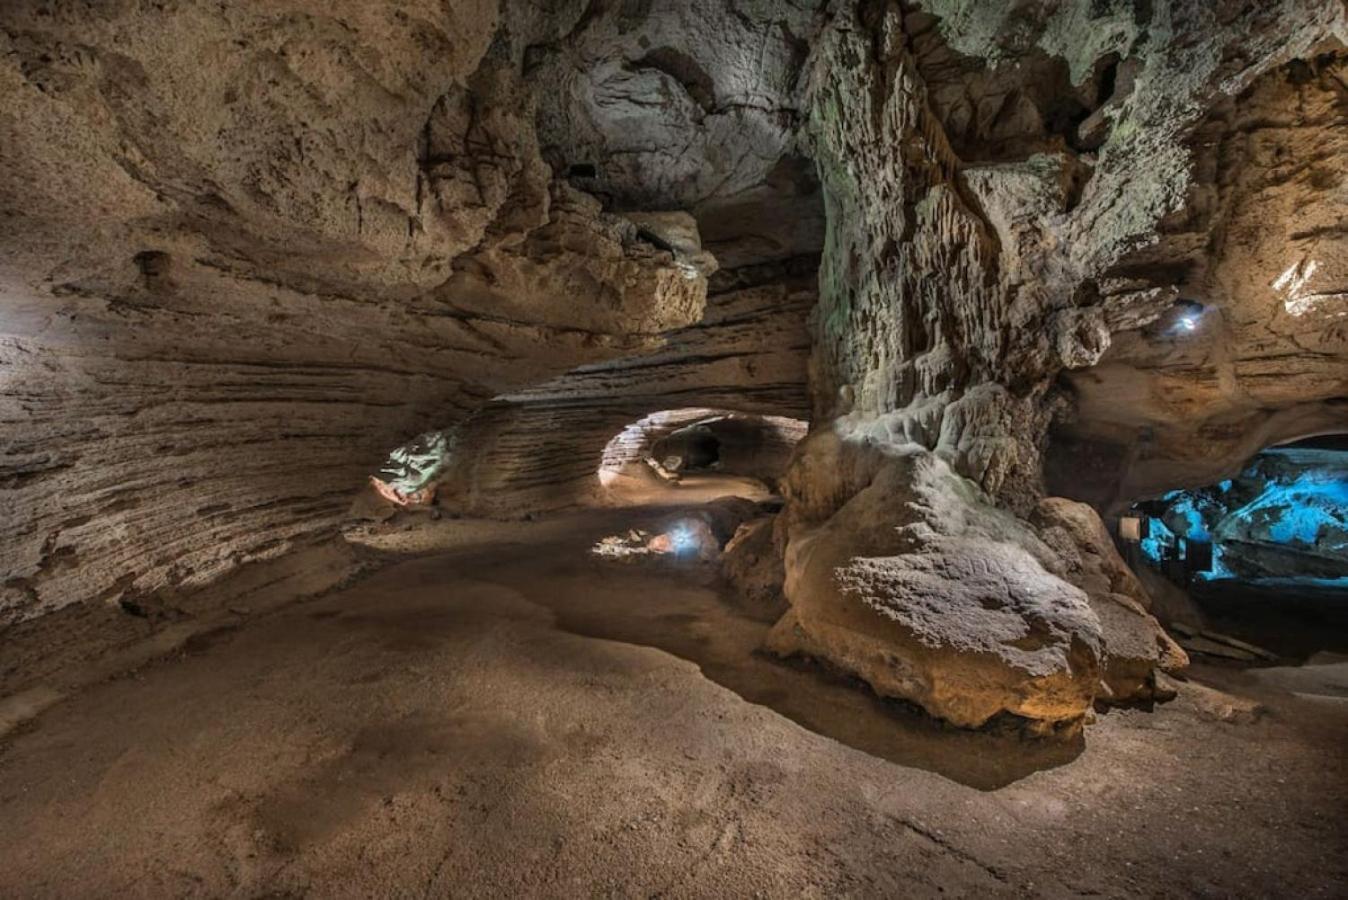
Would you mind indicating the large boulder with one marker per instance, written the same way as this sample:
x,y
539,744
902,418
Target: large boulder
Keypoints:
x,y
923,588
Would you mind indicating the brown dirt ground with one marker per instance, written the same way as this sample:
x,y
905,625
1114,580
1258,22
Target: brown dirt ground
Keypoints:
x,y
511,715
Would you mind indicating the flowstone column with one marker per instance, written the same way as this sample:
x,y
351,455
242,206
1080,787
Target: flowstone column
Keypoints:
x,y
920,553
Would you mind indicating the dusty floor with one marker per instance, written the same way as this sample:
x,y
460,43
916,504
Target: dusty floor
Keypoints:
x,y
519,717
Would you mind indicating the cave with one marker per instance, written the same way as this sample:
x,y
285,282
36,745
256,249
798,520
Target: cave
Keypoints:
x,y
679,453
1262,554
704,448
692,448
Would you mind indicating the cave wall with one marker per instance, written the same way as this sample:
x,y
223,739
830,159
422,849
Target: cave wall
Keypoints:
x,y
542,448
753,446
1261,244
248,248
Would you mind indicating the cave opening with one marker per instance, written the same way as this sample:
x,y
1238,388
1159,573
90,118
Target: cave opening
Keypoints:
x,y
408,474
691,449
1263,552
682,453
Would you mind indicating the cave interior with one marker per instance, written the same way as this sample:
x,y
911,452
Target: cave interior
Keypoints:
x,y
707,448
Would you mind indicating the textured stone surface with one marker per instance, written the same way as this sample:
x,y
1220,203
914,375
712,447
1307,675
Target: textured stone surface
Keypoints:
x,y
247,250
689,105
1134,647
1261,242
1007,186
752,564
542,448
923,588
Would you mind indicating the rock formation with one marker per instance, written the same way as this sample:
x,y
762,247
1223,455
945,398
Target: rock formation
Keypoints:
x,y
543,447
986,233
249,249
1284,516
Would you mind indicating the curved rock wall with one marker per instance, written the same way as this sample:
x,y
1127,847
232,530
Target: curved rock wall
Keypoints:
x,y
754,446
1262,246
246,249
542,448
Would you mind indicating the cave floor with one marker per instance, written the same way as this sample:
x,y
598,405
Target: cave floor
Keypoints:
x,y
508,714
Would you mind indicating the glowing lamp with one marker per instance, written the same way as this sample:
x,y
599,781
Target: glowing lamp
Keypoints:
x,y
1189,314
682,539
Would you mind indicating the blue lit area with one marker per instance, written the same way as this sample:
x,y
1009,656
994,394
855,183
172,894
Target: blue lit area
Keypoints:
x,y
1309,509
683,539
1185,319
1160,539
1283,519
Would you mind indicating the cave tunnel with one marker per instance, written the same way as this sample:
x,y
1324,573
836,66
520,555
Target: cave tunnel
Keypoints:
x,y
701,450
859,448
691,448
1264,553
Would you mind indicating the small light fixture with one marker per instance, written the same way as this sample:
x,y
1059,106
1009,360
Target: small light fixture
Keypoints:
x,y
682,539
1188,316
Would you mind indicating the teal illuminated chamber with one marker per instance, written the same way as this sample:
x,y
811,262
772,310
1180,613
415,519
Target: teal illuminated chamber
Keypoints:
x,y
1285,516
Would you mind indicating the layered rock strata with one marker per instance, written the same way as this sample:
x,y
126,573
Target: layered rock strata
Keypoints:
x,y
248,249
1257,352
544,448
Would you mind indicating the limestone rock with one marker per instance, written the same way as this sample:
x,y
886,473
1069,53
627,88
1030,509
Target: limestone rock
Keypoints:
x,y
1134,645
1260,246
924,589
546,447
247,250
1054,188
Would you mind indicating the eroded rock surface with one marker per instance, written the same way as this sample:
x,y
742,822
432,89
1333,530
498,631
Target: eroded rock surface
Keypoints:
x,y
544,447
921,586
1259,352
247,250
1021,227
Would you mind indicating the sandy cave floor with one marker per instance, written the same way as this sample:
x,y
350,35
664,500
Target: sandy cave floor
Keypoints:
x,y
516,716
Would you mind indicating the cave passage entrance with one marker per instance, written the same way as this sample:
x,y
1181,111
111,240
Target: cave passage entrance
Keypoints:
x,y
1265,551
680,453
692,449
